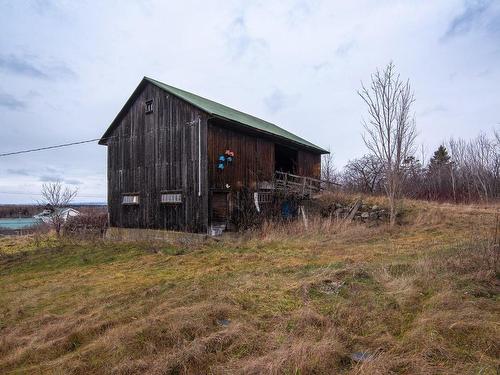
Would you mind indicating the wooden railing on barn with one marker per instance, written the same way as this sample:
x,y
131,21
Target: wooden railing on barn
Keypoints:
x,y
300,185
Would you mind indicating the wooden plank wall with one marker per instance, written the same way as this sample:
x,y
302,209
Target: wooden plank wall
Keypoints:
x,y
309,164
150,153
253,161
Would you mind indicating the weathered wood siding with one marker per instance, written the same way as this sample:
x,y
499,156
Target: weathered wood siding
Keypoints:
x,y
309,164
151,153
253,161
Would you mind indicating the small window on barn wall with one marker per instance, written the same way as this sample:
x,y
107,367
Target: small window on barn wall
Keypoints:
x,y
149,106
130,199
171,197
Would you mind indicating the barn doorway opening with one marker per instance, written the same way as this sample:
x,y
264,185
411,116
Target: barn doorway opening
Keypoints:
x,y
285,159
219,211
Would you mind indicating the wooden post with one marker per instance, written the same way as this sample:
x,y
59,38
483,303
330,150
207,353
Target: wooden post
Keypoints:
x,y
304,217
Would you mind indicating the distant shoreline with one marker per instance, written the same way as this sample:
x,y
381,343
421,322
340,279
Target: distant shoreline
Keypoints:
x,y
24,213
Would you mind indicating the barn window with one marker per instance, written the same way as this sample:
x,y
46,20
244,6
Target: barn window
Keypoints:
x,y
171,197
130,199
149,106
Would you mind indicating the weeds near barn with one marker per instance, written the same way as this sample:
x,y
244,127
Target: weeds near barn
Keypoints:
x,y
421,298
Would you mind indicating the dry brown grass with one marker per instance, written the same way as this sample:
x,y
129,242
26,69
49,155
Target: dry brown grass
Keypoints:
x,y
420,299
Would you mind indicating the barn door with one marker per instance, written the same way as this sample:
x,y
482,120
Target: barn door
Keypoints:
x,y
219,210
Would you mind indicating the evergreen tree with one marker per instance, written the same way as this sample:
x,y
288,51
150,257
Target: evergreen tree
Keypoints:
x,y
439,174
440,158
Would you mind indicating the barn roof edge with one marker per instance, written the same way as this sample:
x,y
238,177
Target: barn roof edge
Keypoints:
x,y
219,110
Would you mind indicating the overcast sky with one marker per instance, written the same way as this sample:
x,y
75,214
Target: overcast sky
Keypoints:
x,y
67,68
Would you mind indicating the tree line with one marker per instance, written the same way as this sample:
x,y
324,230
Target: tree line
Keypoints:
x,y
460,170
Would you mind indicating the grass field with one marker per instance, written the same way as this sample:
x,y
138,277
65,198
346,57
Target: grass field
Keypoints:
x,y
420,299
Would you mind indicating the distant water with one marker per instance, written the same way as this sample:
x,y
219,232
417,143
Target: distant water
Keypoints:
x,y
13,223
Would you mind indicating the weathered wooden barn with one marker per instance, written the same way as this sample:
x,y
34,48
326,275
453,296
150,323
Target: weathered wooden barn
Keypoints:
x,y
179,161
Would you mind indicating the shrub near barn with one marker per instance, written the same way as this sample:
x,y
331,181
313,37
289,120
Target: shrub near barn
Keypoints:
x,y
88,224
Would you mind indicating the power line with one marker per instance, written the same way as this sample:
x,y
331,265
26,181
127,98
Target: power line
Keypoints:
x,y
61,145
49,147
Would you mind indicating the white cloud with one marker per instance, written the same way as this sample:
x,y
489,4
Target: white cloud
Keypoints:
x,y
296,63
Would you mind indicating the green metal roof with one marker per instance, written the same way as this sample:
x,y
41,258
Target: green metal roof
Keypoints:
x,y
225,112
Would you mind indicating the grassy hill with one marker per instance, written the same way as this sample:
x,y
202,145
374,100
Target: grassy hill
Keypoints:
x,y
419,299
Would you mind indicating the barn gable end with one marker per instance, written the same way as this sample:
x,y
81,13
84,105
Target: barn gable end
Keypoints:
x,y
154,153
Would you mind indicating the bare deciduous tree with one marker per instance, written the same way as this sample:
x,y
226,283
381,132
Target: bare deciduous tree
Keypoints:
x,y
363,175
57,198
328,170
476,167
390,129
460,170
